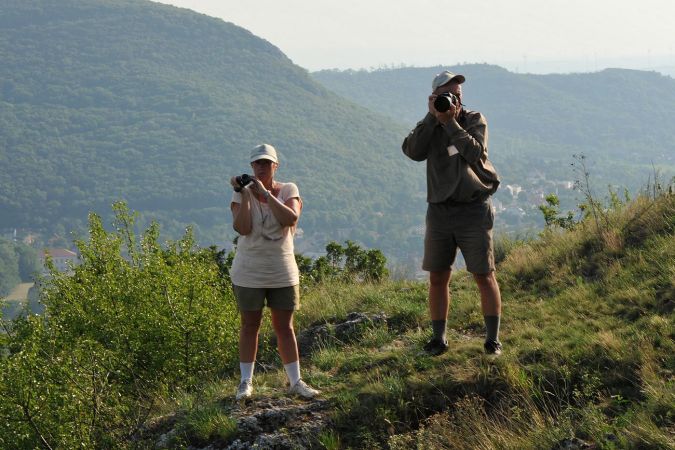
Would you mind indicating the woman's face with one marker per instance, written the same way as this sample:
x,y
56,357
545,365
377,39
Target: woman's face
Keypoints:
x,y
263,169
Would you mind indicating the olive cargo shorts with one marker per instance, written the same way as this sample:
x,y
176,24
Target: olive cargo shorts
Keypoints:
x,y
253,299
467,226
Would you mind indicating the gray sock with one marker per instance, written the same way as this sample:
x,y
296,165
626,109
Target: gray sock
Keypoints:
x,y
492,327
439,329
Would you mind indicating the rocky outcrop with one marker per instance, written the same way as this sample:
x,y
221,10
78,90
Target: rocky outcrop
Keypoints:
x,y
282,423
279,424
336,332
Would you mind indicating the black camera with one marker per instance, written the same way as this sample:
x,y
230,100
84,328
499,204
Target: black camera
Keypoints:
x,y
443,101
243,181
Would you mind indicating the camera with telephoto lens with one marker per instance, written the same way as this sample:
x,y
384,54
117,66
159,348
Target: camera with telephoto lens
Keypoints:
x,y
443,101
243,181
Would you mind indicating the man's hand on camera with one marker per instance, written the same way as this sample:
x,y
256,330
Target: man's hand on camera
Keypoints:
x,y
432,99
447,116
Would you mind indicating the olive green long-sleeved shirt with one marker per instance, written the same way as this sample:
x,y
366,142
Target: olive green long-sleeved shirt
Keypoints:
x,y
458,168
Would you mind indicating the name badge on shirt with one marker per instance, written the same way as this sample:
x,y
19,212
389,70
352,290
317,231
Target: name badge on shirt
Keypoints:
x,y
452,150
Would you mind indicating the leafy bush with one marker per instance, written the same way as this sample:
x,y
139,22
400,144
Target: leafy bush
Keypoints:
x,y
9,268
18,262
349,263
136,321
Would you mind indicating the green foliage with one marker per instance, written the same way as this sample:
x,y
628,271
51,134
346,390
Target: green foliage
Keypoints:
x,y
592,206
103,100
59,395
9,268
330,440
554,384
551,213
588,357
135,322
78,77
350,263
29,262
18,262
505,244
205,424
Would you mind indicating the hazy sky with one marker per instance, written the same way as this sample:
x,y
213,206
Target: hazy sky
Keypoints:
x,y
522,35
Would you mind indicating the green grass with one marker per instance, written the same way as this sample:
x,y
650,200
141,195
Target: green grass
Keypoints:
x,y
588,331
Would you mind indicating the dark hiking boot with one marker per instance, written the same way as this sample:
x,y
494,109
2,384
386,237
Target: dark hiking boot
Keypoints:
x,y
493,348
435,347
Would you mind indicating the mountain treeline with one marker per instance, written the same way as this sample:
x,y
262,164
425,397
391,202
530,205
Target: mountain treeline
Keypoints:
x,y
106,100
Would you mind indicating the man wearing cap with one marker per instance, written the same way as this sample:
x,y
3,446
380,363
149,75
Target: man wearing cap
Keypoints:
x,y
460,180
265,213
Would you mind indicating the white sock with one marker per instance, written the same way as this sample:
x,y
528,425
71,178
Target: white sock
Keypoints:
x,y
293,372
246,370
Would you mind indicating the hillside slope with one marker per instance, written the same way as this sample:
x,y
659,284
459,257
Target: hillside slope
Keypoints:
x,y
588,330
102,100
138,349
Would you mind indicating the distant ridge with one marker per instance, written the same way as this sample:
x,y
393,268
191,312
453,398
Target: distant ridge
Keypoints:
x,y
102,100
621,119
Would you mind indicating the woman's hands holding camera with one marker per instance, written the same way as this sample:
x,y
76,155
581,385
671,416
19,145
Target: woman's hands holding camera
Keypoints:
x,y
258,188
250,184
235,184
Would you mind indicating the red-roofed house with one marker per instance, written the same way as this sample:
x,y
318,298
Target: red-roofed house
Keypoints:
x,y
61,258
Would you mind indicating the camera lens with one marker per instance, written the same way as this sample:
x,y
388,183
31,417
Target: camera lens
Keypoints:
x,y
242,181
443,102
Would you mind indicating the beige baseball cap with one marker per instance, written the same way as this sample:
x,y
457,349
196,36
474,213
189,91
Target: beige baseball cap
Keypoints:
x,y
264,151
444,78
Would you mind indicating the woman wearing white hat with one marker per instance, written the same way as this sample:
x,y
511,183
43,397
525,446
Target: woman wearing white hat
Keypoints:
x,y
265,213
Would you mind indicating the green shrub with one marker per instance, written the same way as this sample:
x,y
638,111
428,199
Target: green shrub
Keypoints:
x,y
135,322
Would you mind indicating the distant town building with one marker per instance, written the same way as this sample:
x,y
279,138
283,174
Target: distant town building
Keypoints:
x,y
61,257
514,190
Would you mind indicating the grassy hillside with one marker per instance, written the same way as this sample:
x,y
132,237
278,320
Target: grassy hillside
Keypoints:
x,y
588,331
104,100
137,349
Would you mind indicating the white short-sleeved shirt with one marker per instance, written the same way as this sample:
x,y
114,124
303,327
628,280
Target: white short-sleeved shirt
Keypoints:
x,y
265,257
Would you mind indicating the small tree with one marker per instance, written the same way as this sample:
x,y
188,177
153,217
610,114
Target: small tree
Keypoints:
x,y
349,263
552,216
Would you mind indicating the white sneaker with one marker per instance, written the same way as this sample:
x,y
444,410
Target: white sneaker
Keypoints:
x,y
303,390
245,390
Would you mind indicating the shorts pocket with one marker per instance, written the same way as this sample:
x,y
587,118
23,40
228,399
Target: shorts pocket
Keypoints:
x,y
488,216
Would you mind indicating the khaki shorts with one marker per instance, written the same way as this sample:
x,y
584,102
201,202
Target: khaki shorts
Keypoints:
x,y
464,226
253,299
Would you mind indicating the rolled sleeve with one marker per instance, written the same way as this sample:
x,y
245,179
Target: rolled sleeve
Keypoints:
x,y
471,143
418,143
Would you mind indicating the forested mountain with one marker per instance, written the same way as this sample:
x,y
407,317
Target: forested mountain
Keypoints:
x,y
621,120
102,100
